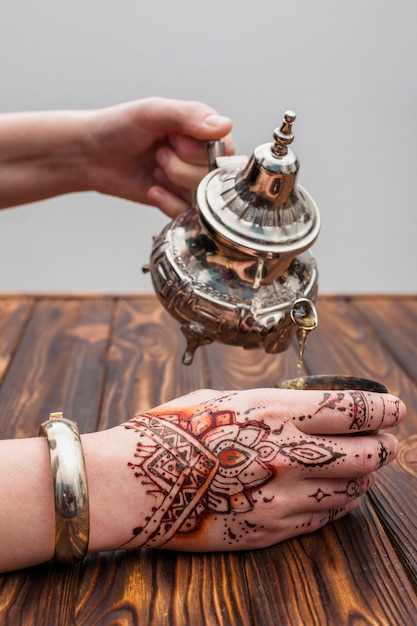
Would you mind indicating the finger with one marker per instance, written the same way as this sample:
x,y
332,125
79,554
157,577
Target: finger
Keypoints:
x,y
163,181
194,151
163,115
340,412
178,171
334,457
319,495
169,203
310,522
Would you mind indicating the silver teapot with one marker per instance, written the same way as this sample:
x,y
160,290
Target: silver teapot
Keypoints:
x,y
237,268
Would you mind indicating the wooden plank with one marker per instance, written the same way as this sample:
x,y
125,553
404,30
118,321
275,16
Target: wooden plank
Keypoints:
x,y
144,366
57,366
334,576
164,589
39,595
232,367
395,321
14,314
343,344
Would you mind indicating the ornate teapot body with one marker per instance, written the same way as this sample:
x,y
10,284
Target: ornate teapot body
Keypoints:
x,y
237,268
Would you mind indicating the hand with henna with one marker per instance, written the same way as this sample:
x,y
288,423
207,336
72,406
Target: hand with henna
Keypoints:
x,y
209,471
247,469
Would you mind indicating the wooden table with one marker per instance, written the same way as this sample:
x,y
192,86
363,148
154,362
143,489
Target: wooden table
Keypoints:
x,y
103,359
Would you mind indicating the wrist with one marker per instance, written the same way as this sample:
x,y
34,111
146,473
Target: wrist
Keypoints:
x,y
27,518
63,154
114,498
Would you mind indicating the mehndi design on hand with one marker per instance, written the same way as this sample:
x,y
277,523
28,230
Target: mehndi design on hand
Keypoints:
x,y
191,476
201,460
358,406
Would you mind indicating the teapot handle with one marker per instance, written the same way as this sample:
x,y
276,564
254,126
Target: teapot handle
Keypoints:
x,y
215,149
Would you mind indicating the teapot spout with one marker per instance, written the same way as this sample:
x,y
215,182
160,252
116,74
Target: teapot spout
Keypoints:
x,y
304,315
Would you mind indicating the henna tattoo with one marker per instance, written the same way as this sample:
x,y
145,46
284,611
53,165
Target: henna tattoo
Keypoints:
x,y
354,489
331,401
177,469
319,495
192,464
383,454
191,477
310,453
235,530
357,408
396,411
331,514
301,418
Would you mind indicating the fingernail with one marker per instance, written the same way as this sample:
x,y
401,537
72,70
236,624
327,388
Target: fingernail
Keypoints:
x,y
217,120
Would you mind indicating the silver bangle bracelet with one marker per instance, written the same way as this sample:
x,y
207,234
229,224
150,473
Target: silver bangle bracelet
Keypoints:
x,y
72,520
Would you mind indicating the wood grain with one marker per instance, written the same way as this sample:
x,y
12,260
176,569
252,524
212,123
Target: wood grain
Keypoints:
x,y
144,366
324,578
58,366
164,588
14,314
232,367
395,322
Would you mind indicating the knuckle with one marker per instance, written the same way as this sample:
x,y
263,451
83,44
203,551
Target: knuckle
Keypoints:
x,y
364,461
374,453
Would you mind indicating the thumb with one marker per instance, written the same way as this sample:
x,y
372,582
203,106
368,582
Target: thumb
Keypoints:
x,y
196,119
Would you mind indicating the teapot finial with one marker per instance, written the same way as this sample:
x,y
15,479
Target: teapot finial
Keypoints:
x,y
283,136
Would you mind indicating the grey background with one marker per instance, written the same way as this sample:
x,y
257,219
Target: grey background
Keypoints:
x,y
348,69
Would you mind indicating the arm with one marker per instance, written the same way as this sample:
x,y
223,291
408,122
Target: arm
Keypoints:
x,y
149,151
209,471
41,155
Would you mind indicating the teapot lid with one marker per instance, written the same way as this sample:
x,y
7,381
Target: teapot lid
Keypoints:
x,y
260,210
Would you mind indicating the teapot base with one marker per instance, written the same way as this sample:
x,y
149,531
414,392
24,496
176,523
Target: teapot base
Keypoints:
x,y
215,299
